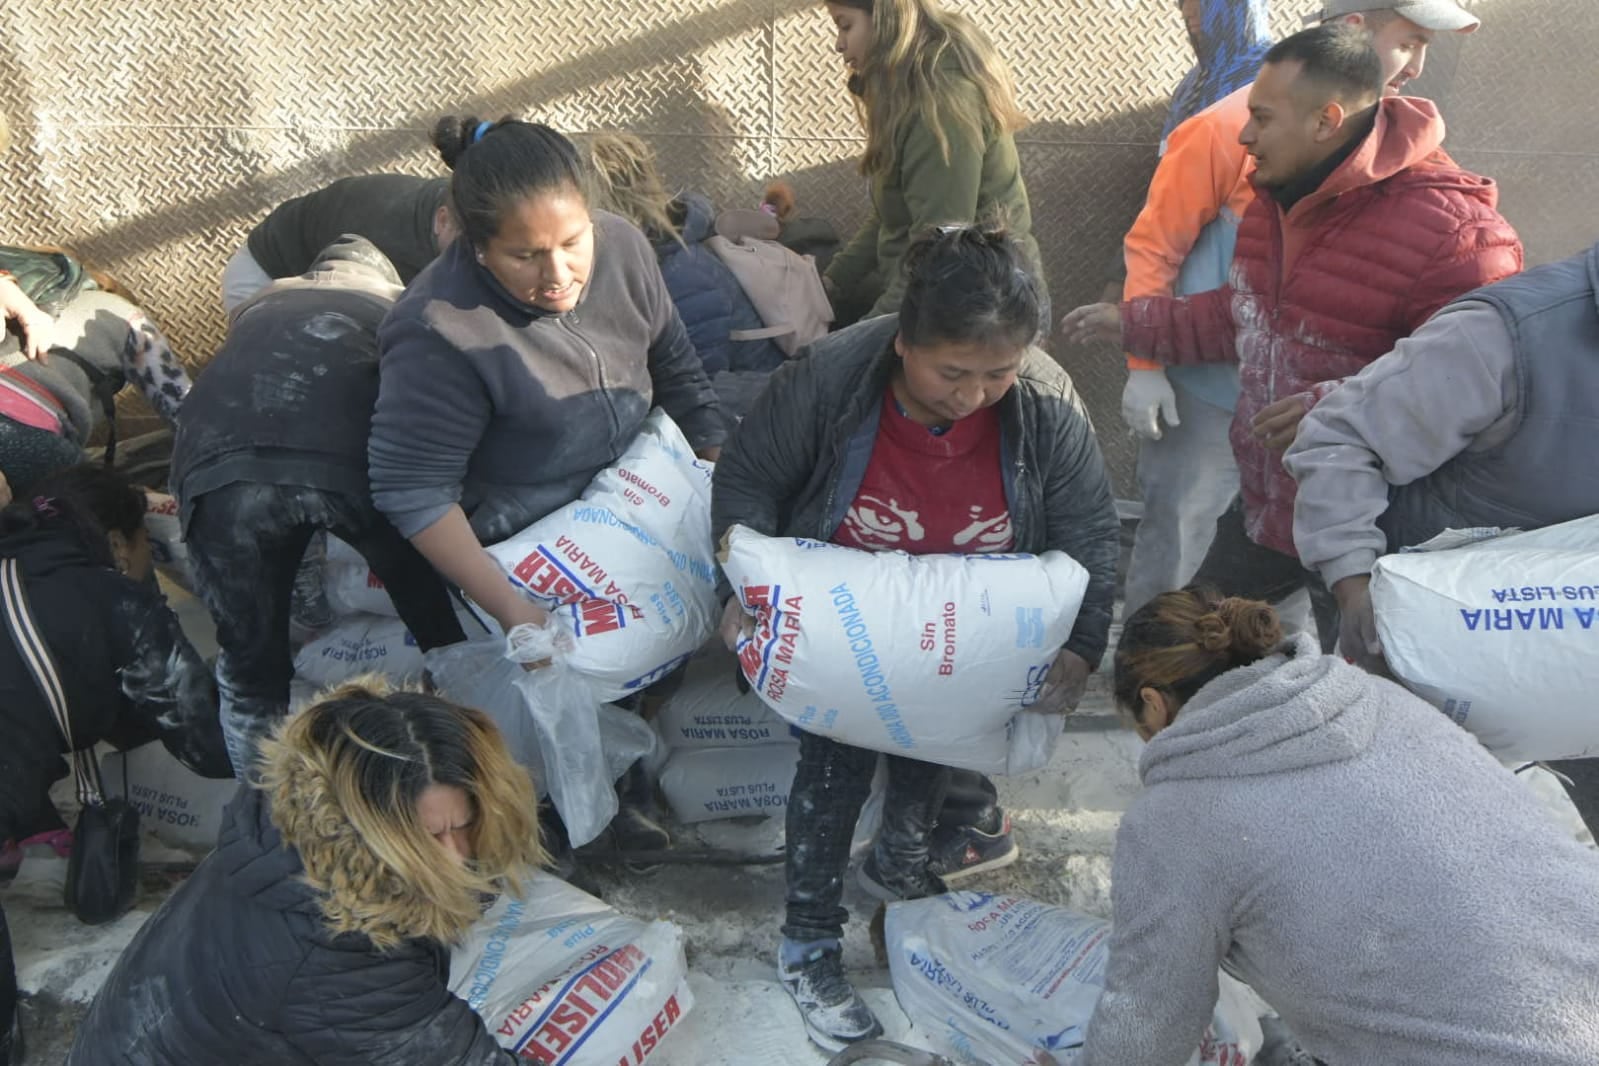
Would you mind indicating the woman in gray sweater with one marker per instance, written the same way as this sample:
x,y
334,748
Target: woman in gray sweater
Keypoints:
x,y
523,360
1344,848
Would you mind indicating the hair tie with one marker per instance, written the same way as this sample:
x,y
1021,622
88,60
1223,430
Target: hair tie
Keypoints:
x,y
482,129
46,506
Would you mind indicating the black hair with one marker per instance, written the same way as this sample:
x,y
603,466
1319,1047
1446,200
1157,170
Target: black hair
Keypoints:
x,y
496,164
1337,57
89,501
968,283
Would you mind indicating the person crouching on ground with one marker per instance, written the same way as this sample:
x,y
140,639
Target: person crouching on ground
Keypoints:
x,y
375,826
1361,861
940,429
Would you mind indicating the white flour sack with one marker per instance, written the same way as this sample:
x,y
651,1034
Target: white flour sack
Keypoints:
x,y
928,656
993,980
1503,635
361,644
628,569
350,584
708,710
176,805
167,549
563,979
703,784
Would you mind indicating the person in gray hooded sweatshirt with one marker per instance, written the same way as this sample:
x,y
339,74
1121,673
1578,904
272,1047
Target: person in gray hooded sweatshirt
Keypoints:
x,y
1376,876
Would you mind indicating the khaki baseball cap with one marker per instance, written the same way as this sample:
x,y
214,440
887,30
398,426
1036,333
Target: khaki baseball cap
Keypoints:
x,y
1444,15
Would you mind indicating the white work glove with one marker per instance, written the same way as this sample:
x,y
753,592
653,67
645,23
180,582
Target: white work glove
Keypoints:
x,y
1147,398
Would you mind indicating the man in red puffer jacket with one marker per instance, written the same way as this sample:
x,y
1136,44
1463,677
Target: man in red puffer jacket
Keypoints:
x,y
1362,227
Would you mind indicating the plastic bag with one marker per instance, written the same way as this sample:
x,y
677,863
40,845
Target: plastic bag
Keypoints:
x,y
561,978
995,979
929,656
543,711
1501,634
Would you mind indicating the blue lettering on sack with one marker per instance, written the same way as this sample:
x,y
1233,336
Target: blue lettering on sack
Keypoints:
x,y
1029,627
488,966
869,666
1543,619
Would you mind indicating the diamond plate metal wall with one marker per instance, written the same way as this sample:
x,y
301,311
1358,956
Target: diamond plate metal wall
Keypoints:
x,y
152,138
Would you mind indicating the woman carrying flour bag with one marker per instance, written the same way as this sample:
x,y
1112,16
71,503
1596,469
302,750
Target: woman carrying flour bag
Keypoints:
x,y
940,430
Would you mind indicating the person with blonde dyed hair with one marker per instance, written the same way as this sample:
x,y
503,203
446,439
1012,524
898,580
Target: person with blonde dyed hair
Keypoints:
x,y
939,110
376,827
705,292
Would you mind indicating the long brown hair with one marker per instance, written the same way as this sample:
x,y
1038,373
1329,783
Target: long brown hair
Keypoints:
x,y
344,776
1181,641
906,78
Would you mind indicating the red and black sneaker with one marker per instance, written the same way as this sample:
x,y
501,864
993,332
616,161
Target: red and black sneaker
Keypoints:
x,y
967,851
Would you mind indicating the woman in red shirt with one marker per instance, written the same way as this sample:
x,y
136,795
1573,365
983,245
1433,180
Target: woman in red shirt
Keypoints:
x,y
940,429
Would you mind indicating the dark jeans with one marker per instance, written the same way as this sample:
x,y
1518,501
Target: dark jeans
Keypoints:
x,y
1237,566
830,787
245,543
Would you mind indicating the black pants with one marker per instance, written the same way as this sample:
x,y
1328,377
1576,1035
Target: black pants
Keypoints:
x,y
245,543
831,784
1237,566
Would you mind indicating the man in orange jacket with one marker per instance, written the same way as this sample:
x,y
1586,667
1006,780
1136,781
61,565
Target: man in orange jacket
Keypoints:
x,y
1182,243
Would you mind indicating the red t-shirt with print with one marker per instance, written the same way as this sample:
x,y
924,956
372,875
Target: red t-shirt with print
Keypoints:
x,y
928,491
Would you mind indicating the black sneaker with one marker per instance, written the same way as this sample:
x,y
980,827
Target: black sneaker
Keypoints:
x,y
967,851
888,885
633,830
834,1013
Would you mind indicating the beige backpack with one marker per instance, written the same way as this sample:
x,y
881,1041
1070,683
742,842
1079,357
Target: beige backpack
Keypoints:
x,y
783,285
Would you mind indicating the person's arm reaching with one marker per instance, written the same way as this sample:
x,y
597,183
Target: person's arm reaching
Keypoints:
x,y
853,263
1388,426
1171,330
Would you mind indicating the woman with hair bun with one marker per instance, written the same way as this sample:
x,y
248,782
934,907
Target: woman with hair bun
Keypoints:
x,y
1361,861
523,360
940,429
373,830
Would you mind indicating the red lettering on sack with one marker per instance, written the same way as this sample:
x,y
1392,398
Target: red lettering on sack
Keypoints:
x,y
583,1002
542,576
599,616
946,664
654,1032
373,581
633,479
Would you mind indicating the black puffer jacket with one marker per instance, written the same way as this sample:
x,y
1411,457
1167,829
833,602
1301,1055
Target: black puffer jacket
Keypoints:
x,y
238,967
798,458
130,676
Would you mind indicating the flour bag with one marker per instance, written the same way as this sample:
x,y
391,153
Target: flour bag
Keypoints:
x,y
933,657
992,980
563,979
627,570
1501,634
